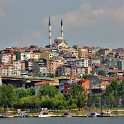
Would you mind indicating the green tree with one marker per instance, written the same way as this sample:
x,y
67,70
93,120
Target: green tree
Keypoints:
x,y
48,104
59,101
51,91
92,72
8,96
111,93
34,101
121,92
33,46
24,102
80,102
114,91
76,90
111,100
77,93
101,72
29,102
85,76
31,91
23,92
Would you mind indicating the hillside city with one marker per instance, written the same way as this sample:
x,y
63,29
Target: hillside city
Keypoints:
x,y
60,60
100,71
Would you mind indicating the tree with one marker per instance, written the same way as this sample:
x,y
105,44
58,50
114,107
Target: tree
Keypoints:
x,y
92,72
77,92
58,101
34,101
51,91
80,102
23,92
48,104
111,100
114,91
111,93
33,46
85,76
31,91
24,102
101,72
121,92
8,96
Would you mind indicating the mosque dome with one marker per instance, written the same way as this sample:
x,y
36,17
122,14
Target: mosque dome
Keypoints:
x,y
59,40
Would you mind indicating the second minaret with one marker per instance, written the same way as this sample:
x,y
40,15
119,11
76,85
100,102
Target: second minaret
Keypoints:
x,y
49,30
61,28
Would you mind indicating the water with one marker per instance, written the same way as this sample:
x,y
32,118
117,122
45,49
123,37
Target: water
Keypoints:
x,y
64,120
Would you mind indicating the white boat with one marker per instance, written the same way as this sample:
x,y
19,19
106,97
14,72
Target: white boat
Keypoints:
x,y
44,116
1,116
8,116
103,114
22,114
93,114
44,113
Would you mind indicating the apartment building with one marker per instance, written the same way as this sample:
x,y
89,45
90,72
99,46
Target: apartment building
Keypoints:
x,y
8,57
53,64
7,69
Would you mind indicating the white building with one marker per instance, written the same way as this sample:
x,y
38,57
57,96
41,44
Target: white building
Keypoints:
x,y
25,55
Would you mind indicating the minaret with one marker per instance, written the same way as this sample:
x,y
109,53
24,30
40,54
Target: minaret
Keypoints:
x,y
49,32
61,28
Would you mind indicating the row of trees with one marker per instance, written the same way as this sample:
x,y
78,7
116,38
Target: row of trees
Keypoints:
x,y
50,97
114,94
112,97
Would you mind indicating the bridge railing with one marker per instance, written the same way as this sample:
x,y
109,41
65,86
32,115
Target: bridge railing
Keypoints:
x,y
27,77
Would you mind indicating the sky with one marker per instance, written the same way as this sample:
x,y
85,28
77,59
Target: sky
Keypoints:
x,y
86,22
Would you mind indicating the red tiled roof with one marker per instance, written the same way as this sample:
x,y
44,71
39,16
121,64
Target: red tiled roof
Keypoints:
x,y
116,71
41,83
106,79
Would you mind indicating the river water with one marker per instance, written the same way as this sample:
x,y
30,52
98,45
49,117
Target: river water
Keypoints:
x,y
64,120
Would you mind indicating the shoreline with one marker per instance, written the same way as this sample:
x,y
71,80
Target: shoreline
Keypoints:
x,y
11,114
36,116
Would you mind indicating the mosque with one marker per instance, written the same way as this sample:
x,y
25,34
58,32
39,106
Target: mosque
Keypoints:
x,y
59,42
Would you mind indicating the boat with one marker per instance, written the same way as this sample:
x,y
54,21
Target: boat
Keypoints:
x,y
93,114
8,115
1,116
22,114
44,113
67,114
103,114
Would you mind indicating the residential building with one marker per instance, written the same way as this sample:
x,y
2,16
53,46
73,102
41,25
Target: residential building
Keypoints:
x,y
8,57
82,62
25,55
7,69
120,64
53,64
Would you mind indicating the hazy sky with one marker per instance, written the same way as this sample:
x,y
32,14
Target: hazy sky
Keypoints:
x,y
86,22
